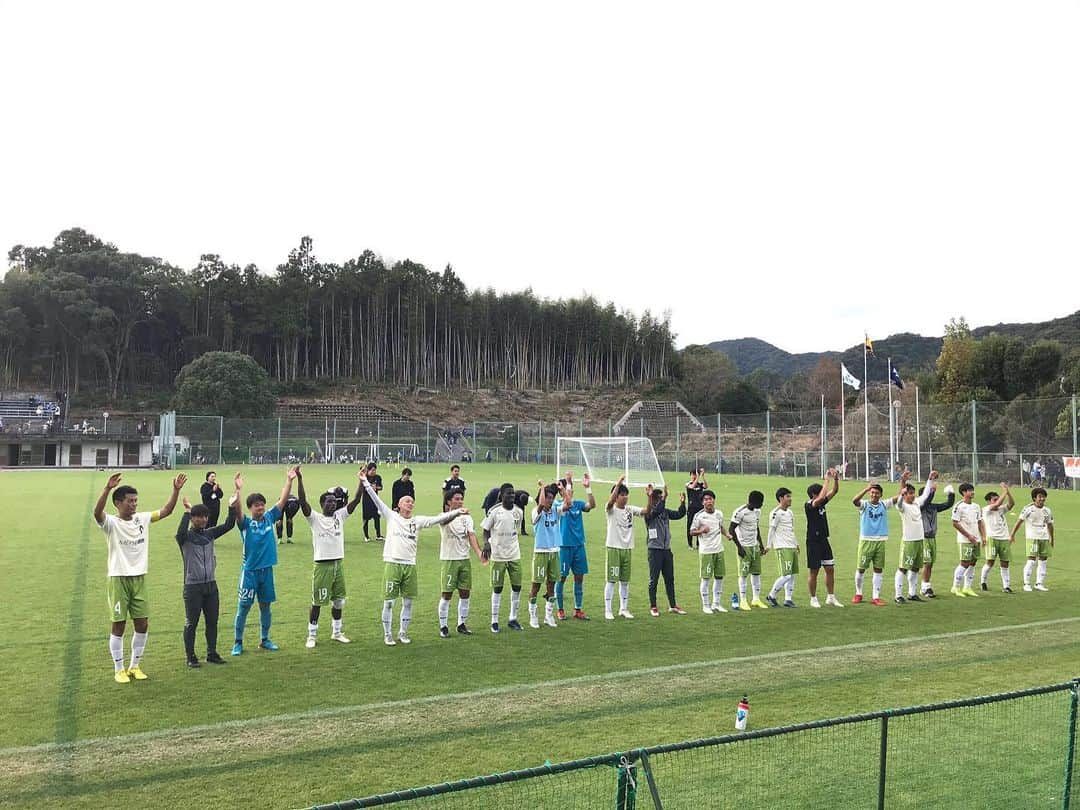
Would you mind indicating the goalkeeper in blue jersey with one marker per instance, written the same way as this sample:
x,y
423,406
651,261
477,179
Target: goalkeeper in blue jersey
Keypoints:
x,y
572,558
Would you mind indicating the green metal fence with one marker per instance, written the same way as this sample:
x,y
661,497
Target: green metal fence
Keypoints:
x,y
1009,750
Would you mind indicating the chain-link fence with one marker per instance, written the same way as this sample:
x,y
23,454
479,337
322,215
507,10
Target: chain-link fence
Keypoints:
x,y
1012,750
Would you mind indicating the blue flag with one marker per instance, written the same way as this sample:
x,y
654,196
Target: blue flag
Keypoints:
x,y
896,378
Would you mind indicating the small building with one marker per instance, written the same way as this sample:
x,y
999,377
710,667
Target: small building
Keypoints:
x,y
76,450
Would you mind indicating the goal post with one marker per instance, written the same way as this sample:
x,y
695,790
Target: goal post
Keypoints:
x,y
607,459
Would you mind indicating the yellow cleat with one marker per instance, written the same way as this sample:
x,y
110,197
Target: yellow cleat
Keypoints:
x,y
137,674
121,676
743,605
957,592
758,604
969,592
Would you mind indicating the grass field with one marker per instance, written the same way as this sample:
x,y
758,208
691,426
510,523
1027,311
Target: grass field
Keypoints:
x,y
300,726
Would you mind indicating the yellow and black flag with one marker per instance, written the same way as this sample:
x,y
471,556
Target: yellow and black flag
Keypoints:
x,y
867,344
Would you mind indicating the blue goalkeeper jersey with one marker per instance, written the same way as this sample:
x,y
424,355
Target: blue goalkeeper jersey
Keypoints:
x,y
260,544
546,529
572,525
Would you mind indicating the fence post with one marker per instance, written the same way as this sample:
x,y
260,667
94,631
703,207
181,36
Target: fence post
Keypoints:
x,y
427,440
1075,481
277,458
719,454
651,780
1070,753
626,788
221,440
768,442
517,452
678,448
378,438
882,760
974,447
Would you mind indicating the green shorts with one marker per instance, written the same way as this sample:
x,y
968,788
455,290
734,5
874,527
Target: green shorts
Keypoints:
x,y
399,579
750,562
545,566
929,550
969,552
456,575
127,598
327,581
999,550
871,555
501,571
712,565
911,555
1036,548
787,561
618,564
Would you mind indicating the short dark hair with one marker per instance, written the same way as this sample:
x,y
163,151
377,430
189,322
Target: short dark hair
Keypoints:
x,y
876,486
780,493
122,492
1034,492
966,487
455,467
551,490
200,510
990,496
909,487
448,496
814,490
755,499
708,494
406,471
212,472
621,489
255,497
371,465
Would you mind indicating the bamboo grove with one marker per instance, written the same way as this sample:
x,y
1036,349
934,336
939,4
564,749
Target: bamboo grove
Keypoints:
x,y
82,314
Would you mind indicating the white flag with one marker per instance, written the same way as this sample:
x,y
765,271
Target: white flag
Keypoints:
x,y
848,377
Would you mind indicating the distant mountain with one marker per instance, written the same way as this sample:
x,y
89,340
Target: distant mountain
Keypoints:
x,y
910,353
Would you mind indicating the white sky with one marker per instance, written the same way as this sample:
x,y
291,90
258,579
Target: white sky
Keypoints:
x,y
757,168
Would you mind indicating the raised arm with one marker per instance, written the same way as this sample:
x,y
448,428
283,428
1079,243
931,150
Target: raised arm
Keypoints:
x,y
185,520
177,485
591,501
103,498
290,476
238,504
226,527
301,495
857,500
680,513
384,510
614,489
359,494
950,499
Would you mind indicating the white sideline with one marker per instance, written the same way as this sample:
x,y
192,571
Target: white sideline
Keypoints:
x,y
337,711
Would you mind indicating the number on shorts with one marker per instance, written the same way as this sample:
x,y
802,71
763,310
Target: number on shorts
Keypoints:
x,y
322,594
449,580
390,587
614,572
116,609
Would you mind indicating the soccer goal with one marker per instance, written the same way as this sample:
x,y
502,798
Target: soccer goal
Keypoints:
x,y
605,459
350,452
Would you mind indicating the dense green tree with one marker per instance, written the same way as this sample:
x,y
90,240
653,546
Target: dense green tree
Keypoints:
x,y
224,384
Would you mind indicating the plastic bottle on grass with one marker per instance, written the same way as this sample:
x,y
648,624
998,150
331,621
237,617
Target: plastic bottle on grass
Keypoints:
x,y
742,714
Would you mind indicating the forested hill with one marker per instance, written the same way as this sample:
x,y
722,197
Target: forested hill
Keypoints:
x,y
80,313
913,352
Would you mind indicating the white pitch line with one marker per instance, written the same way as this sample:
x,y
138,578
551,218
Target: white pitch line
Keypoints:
x,y
337,711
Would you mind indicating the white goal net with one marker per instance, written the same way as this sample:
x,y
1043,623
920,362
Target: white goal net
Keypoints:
x,y
606,459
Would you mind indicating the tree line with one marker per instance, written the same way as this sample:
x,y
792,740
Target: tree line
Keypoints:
x,y
81,313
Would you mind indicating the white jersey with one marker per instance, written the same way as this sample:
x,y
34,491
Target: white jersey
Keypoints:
x,y
746,525
968,515
503,525
328,534
712,542
401,534
910,519
1036,519
620,526
997,525
455,538
128,542
781,529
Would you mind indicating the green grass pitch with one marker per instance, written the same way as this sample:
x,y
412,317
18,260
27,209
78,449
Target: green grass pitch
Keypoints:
x,y
300,726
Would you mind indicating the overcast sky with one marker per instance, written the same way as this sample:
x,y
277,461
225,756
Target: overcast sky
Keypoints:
x,y
794,171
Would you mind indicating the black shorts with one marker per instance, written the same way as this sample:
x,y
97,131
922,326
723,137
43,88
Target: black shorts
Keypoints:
x,y
818,553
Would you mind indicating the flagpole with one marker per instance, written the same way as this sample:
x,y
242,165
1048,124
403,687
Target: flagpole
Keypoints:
x,y
823,437
843,425
892,439
918,446
866,412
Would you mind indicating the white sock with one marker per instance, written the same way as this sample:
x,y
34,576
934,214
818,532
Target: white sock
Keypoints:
x,y
1006,577
859,581
138,646
958,577
755,585
789,588
335,625
877,584
983,572
444,612
704,592
624,595
549,609
515,603
912,582
116,650
406,615
532,608
1028,568
925,586
776,586
609,593
1040,579
969,577
717,590
898,581
387,615
462,610
742,588
496,601
313,629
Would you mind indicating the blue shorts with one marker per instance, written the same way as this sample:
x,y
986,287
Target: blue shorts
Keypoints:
x,y
257,585
572,559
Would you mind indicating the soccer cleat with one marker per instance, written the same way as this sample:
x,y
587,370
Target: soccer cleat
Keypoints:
x,y
832,600
339,636
772,601
136,673
743,605
444,632
957,592
379,539
1040,587
550,621
900,600
789,604
562,614
268,645
238,648
534,622
290,542
121,676
914,597
1006,590
969,592
193,663
514,624
706,609
580,615
929,593
857,599
214,658
310,642
1027,588
403,637
465,631
367,539
494,627
758,604
814,602
678,611
653,611
609,615
878,602
984,586
626,614
280,542
388,640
